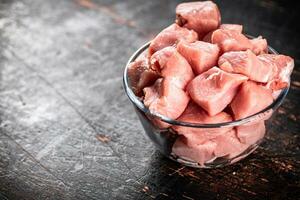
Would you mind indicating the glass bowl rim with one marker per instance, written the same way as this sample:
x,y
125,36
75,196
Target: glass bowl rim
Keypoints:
x,y
140,105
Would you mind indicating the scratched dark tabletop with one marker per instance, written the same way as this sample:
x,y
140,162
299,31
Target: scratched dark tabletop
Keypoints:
x,y
68,131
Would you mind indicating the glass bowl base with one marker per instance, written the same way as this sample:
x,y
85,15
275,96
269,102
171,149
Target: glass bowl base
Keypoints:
x,y
216,162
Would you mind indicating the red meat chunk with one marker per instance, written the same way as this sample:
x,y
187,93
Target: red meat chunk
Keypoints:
x,y
201,17
246,63
229,145
250,99
170,36
195,114
234,27
259,45
165,98
284,66
200,153
201,55
226,144
250,134
229,40
214,89
140,75
173,65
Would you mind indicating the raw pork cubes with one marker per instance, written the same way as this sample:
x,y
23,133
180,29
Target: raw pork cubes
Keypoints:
x,y
195,114
173,65
200,71
230,40
166,99
250,99
214,89
170,36
246,63
201,17
201,55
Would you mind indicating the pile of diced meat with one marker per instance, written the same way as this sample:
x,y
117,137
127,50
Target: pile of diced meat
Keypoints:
x,y
201,71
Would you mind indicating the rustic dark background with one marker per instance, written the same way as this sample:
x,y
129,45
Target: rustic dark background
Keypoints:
x,y
68,130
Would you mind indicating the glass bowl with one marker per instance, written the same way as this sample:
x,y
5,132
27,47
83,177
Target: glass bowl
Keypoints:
x,y
170,144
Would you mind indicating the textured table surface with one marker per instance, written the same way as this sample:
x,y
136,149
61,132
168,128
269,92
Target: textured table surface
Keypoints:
x,y
68,131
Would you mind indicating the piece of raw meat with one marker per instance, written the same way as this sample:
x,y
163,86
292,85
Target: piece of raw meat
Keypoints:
x,y
170,36
250,134
234,27
284,66
200,153
228,145
165,98
214,89
140,75
173,65
200,55
229,40
246,63
201,17
259,45
195,114
250,99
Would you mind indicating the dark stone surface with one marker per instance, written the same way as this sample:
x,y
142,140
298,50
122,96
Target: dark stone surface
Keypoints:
x,y
61,93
